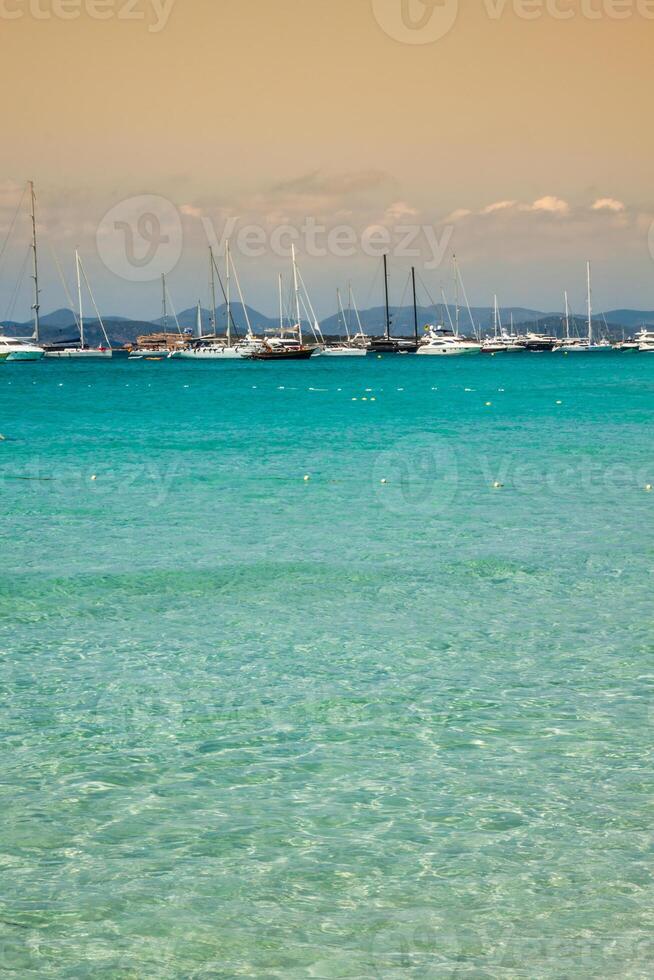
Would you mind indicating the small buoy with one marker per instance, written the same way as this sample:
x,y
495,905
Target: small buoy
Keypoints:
x,y
306,478
488,404
492,353
2,438
648,487
364,399
94,477
559,403
373,399
379,357
497,485
383,481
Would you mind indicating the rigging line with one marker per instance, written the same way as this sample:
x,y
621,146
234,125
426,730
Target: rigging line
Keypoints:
x,y
9,312
356,309
13,224
222,289
69,298
97,311
243,306
313,313
373,286
172,306
431,298
475,330
447,309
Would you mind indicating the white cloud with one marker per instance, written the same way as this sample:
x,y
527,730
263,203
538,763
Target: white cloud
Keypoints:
x,y
608,204
551,205
457,215
498,206
399,210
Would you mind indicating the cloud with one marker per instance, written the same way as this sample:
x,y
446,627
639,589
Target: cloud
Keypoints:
x,y
191,211
498,206
551,205
399,211
607,204
457,215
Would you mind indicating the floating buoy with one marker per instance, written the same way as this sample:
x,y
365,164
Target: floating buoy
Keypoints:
x,y
306,478
488,404
497,485
364,399
559,403
2,438
383,481
94,477
373,399
379,357
648,487
355,399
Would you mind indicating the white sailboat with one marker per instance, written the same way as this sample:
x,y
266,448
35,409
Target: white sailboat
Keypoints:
x,y
501,342
347,348
27,349
586,344
213,348
83,351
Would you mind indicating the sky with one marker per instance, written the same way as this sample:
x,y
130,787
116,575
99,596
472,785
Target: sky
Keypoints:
x,y
514,133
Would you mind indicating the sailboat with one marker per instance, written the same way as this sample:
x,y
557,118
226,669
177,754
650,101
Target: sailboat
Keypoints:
x,y
347,349
387,344
281,347
212,347
501,342
585,344
18,348
83,351
441,340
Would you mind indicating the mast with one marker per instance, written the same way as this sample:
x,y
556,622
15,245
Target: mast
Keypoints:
x,y
297,295
79,300
213,292
35,266
164,307
495,314
228,295
567,316
590,306
456,294
281,303
198,322
415,303
388,312
342,313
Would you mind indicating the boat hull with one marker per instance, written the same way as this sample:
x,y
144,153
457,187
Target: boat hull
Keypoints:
x,y
24,355
80,354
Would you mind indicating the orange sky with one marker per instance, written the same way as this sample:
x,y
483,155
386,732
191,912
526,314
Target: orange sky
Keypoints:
x,y
278,109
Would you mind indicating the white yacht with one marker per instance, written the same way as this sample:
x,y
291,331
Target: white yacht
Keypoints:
x,y
15,349
646,341
440,341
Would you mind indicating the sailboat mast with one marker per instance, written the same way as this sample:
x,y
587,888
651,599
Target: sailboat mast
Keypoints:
x,y
342,313
228,282
590,306
281,303
79,300
35,266
415,302
164,308
297,295
456,294
495,314
567,316
388,312
198,322
213,292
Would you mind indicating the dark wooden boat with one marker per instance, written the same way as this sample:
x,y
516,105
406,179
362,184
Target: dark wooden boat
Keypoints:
x,y
269,353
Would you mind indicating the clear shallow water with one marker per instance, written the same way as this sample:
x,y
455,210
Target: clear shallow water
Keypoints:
x,y
253,726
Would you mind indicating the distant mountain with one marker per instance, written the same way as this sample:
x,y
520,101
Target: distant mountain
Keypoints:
x,y
60,325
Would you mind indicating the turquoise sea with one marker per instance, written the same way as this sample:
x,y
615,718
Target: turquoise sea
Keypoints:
x,y
260,726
